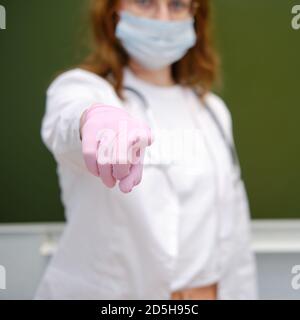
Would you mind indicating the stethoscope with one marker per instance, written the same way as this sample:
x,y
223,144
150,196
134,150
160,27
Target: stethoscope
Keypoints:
x,y
230,146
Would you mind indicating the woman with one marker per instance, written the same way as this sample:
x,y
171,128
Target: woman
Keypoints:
x,y
138,227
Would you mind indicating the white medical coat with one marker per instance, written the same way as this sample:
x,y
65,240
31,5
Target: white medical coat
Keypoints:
x,y
175,230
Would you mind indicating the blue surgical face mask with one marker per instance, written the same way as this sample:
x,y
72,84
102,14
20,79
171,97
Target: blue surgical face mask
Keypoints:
x,y
155,43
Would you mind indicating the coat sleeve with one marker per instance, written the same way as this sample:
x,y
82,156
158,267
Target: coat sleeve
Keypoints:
x,y
243,269
225,118
66,99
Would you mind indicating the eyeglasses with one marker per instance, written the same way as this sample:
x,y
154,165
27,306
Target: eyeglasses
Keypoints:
x,y
177,9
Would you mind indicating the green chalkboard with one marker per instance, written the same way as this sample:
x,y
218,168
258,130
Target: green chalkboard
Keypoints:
x,y
261,66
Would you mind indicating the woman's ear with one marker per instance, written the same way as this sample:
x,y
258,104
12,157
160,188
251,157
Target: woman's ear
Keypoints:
x,y
122,6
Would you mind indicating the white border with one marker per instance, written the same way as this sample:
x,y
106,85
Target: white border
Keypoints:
x,y
268,236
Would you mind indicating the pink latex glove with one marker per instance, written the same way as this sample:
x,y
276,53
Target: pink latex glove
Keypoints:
x,y
113,145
